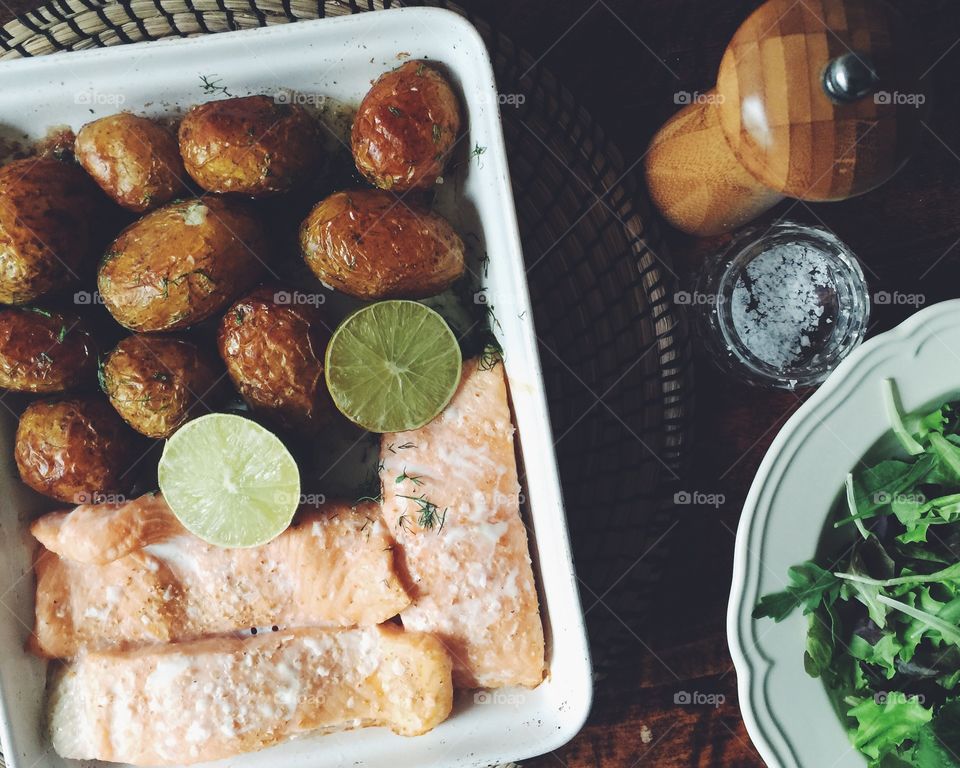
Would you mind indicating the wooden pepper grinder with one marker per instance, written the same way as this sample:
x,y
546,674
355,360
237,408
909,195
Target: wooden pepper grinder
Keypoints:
x,y
817,100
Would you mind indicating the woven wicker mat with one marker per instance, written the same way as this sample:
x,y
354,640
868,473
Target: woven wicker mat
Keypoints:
x,y
614,351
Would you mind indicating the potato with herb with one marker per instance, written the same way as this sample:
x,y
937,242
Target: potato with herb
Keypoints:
x,y
273,342
47,211
368,244
405,128
44,351
181,264
251,145
158,383
74,449
135,160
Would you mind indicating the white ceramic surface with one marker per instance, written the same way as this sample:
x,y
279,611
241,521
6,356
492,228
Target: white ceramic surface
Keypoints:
x,y
338,58
788,714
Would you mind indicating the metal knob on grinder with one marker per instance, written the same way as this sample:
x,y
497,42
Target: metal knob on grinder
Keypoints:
x,y
819,100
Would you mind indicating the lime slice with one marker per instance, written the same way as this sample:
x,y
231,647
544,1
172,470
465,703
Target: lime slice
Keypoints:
x,y
392,366
229,481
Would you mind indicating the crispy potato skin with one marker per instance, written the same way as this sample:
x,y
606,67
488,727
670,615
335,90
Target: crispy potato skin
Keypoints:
x,y
47,211
405,128
158,383
180,264
251,145
44,352
136,161
73,449
274,348
367,244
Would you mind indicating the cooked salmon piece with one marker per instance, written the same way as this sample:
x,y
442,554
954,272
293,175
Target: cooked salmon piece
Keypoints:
x,y
192,702
332,568
102,533
452,501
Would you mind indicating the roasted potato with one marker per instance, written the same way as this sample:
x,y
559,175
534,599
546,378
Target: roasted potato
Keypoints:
x,y
180,264
158,383
136,161
75,449
251,145
44,351
47,211
405,128
368,244
273,342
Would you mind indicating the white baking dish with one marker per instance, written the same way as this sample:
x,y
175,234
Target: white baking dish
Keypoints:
x,y
336,58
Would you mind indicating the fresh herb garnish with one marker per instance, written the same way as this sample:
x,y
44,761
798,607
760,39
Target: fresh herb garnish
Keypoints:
x,y
415,479
437,132
395,111
212,84
430,514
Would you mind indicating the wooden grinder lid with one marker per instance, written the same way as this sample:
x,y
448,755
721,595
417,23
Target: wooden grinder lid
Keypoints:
x,y
821,99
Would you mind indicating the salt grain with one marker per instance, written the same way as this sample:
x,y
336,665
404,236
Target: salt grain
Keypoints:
x,y
778,303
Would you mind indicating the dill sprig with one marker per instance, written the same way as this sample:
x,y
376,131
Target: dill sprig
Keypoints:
x,y
430,514
415,479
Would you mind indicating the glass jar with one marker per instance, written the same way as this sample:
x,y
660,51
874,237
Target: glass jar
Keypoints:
x,y
781,306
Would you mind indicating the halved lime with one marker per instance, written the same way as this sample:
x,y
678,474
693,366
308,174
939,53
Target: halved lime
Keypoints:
x,y
229,481
392,366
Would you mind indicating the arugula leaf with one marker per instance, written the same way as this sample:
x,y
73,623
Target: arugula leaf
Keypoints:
x,y
809,585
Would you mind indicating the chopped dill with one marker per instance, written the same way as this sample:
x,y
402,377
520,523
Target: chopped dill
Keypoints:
x,y
395,111
437,131
415,479
430,513
38,311
212,84
62,334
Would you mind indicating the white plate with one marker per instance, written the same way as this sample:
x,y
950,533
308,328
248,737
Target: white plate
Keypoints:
x,y
337,58
788,714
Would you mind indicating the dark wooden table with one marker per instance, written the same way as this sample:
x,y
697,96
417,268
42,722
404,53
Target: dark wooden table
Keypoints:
x,y
625,60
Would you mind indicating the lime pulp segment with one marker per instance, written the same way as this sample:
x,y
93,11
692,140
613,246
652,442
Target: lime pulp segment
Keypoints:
x,y
229,481
393,366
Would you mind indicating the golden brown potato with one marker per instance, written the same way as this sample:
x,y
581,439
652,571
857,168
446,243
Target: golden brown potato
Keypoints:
x,y
405,128
136,161
158,383
250,145
44,351
273,342
47,211
180,264
369,245
74,450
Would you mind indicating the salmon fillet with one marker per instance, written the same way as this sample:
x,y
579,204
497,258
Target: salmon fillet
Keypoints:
x,y
206,700
331,568
451,499
102,533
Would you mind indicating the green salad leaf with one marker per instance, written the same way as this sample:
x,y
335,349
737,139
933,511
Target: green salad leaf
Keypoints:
x,y
883,611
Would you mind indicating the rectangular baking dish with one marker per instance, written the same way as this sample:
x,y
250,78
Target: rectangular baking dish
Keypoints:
x,y
336,58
